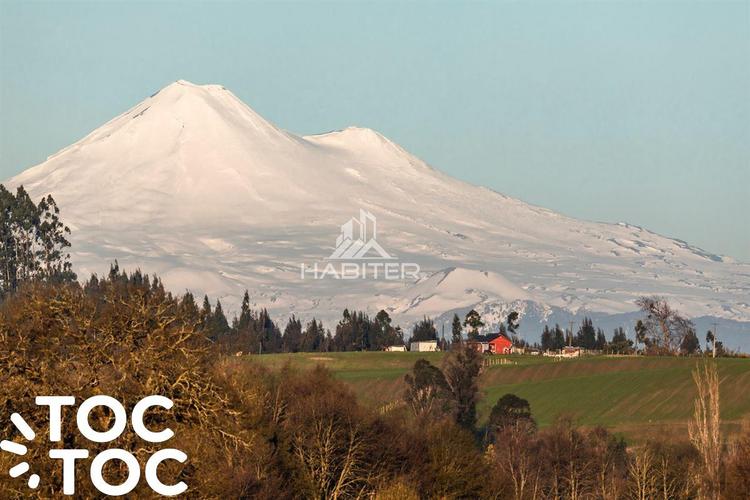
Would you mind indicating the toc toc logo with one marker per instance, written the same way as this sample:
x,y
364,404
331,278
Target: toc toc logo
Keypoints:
x,y
68,457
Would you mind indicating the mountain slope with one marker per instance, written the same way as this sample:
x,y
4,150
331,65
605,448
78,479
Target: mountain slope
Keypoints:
x,y
195,186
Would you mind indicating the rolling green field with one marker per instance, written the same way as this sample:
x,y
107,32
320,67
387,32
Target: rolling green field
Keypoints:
x,y
635,396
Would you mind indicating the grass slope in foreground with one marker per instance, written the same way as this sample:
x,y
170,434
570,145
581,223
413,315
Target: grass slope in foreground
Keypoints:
x,y
637,396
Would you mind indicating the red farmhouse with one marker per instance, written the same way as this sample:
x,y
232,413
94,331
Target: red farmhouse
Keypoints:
x,y
494,343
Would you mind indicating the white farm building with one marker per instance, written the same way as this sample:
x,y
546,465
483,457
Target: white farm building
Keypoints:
x,y
424,346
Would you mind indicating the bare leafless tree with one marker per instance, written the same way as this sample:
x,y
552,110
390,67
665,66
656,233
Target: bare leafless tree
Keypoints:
x,y
664,327
642,476
516,456
705,431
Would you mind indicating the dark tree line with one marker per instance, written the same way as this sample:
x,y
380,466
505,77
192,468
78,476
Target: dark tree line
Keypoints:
x,y
356,331
254,331
651,336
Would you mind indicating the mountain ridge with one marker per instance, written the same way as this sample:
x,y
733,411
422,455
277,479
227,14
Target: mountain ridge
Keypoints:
x,y
194,185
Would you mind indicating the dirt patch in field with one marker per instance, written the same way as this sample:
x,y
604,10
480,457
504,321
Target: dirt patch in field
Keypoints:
x,y
320,358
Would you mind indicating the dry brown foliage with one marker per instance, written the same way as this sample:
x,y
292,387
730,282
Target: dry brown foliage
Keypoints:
x,y
119,339
738,467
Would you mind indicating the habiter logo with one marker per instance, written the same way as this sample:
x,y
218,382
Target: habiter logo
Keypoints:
x,y
68,457
358,255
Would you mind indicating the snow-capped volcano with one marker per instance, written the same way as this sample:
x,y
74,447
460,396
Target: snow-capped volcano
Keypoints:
x,y
195,186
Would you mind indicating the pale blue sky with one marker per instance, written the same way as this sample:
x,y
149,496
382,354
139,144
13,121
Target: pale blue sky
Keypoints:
x,y
613,111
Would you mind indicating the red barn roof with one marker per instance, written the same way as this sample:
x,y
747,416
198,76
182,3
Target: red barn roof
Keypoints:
x,y
500,344
496,343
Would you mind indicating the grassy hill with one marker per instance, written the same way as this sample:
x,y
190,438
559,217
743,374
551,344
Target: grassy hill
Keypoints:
x,y
637,396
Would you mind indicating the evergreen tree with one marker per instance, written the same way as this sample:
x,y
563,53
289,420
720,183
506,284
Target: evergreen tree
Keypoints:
x,y
383,319
424,330
513,323
354,332
269,334
293,337
547,340
205,315
474,322
462,368
384,334
311,337
218,324
621,344
188,309
586,336
246,333
690,343
601,340
509,411
558,338
246,314
456,330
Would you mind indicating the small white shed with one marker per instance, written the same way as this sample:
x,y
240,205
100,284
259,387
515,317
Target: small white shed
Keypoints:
x,y
396,348
424,346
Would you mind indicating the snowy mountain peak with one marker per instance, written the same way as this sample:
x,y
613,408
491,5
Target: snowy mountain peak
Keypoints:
x,y
354,138
185,83
205,105
194,185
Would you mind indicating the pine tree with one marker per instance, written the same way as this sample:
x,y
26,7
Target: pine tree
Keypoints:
x,y
456,330
292,338
246,314
586,336
547,341
313,339
188,309
601,340
270,336
205,315
558,338
219,325
424,330
621,344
